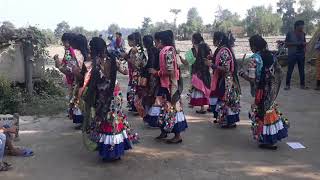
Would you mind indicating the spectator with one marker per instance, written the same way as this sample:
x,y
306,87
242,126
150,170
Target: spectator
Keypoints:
x,y
317,47
231,39
4,166
10,149
120,44
296,43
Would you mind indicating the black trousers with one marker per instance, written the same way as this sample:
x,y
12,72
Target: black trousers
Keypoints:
x,y
292,61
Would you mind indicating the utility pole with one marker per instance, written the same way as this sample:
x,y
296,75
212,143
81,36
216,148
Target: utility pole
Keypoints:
x,y
28,59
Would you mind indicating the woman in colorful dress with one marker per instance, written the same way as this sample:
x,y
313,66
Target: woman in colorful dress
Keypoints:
x,y
172,118
108,126
72,65
317,48
200,74
225,86
265,74
153,110
136,61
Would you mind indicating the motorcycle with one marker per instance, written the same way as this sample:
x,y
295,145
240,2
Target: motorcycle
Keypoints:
x,y
282,53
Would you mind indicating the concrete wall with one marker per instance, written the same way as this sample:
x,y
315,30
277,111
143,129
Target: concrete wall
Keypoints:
x,y
12,63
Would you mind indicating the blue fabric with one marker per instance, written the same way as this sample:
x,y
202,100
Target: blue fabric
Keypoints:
x,y
257,57
180,127
152,121
2,145
232,119
292,61
108,153
177,128
273,139
214,111
78,119
292,37
164,92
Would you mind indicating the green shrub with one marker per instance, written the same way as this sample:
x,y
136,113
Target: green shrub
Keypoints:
x,y
10,97
48,97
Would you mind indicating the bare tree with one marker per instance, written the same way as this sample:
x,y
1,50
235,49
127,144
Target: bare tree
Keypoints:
x,y
175,12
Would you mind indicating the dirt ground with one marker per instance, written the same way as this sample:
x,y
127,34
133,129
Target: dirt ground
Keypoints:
x,y
206,153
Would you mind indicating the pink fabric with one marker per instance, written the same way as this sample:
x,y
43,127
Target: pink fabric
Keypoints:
x,y
165,80
199,85
216,74
116,90
69,77
199,102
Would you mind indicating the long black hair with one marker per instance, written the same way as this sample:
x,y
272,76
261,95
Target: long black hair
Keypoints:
x,y
199,67
221,40
68,37
97,47
197,38
80,42
148,41
157,36
77,41
260,45
136,38
153,52
166,38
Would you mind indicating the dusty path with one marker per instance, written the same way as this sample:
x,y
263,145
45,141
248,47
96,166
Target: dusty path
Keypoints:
x,y
206,153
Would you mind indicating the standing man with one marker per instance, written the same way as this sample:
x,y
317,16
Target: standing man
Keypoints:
x,y
232,40
120,44
317,47
296,43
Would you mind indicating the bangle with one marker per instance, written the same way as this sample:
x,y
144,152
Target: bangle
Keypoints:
x,y
159,73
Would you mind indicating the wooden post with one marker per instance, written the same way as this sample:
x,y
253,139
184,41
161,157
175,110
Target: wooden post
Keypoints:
x,y
28,57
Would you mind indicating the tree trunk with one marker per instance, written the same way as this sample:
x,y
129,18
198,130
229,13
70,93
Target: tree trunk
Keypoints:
x,y
28,58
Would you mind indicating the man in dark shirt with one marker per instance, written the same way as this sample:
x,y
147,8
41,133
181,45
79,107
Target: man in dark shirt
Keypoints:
x,y
296,43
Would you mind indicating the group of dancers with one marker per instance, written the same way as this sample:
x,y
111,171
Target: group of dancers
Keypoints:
x,y
155,87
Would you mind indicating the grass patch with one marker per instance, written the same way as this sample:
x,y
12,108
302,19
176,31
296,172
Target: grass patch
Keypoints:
x,y
48,97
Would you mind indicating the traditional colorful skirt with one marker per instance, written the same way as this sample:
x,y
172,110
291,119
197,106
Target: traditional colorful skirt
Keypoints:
x,y
227,116
171,120
213,101
131,92
113,141
77,116
271,129
152,117
200,93
198,98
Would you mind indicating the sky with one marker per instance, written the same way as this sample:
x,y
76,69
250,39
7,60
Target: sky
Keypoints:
x,y
98,14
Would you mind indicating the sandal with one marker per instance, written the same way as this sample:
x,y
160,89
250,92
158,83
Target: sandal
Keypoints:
x,y
287,88
268,147
24,152
7,164
4,167
174,141
161,136
201,112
